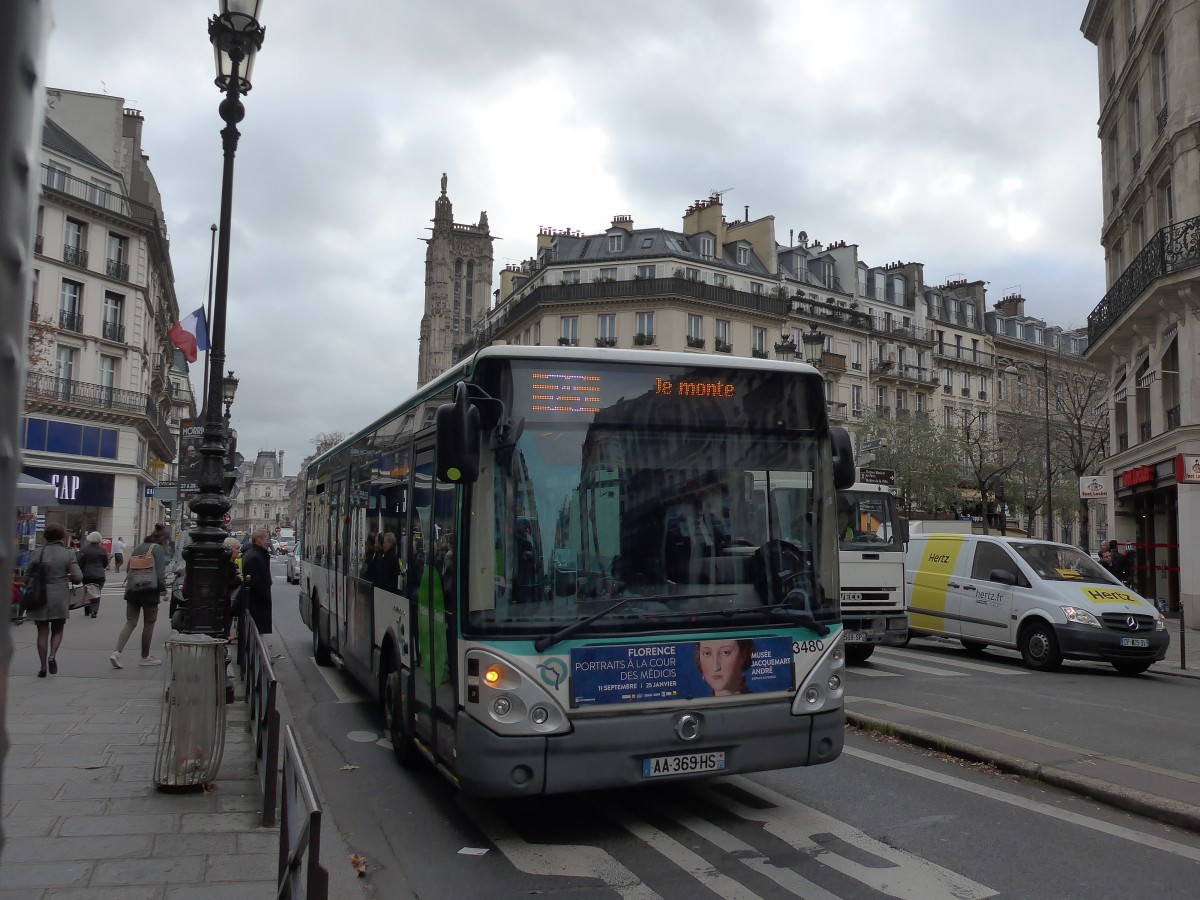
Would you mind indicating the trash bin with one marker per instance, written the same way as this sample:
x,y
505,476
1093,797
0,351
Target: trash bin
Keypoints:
x,y
191,732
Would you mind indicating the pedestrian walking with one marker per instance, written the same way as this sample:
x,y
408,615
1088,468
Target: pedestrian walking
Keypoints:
x,y
118,553
93,560
256,588
60,569
143,594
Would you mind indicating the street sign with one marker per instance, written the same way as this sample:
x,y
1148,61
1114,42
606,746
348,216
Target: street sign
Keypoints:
x,y
877,476
872,445
278,529
228,518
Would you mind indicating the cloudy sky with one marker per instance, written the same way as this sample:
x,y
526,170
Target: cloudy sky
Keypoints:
x,y
957,133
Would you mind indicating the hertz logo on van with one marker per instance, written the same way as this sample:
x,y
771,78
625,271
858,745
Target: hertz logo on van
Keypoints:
x,y
938,557
1108,595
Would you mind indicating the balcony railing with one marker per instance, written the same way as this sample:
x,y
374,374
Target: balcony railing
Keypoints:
x,y
695,342
1161,118
1144,431
967,355
758,354
75,256
834,362
58,180
69,321
114,268
1175,248
1174,418
113,331
885,411
98,396
606,342
38,242
914,333
1122,441
721,346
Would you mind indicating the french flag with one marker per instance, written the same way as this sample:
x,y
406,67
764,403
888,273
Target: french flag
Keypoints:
x,y
190,335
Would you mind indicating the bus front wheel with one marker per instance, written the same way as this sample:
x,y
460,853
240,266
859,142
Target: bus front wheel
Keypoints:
x,y
320,647
393,713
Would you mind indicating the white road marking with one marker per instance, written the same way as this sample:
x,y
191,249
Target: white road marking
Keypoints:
x,y
692,863
1108,828
337,684
856,671
569,860
910,877
902,664
744,853
959,663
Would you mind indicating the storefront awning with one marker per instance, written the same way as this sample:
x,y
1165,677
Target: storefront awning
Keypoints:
x,y
35,492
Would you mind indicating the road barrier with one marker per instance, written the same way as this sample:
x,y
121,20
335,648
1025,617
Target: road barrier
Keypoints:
x,y
301,875
261,688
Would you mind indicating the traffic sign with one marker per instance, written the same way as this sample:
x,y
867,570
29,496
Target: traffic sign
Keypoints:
x,y
228,518
278,529
877,476
872,445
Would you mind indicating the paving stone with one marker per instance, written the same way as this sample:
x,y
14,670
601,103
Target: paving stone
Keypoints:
x,y
40,875
155,870
127,824
35,893
53,775
243,867
59,808
125,892
263,840
113,789
206,843
36,849
28,826
163,802
226,821
246,890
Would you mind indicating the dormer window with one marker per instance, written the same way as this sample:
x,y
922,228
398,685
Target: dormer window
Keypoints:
x,y
647,242
706,247
743,254
616,242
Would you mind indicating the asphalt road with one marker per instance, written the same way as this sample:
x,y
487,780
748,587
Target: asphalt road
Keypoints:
x,y
885,820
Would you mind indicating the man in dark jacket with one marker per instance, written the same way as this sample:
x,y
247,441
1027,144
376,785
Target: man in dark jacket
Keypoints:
x,y
256,570
93,560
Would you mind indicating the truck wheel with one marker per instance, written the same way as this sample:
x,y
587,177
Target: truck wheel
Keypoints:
x,y
1131,668
1039,647
974,647
859,653
320,647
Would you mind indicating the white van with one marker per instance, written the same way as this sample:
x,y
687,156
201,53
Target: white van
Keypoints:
x,y
1050,601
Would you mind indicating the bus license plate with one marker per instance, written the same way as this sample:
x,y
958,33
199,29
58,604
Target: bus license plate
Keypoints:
x,y
1135,642
856,637
683,764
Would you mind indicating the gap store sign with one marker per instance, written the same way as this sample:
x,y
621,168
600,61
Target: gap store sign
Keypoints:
x,y
75,488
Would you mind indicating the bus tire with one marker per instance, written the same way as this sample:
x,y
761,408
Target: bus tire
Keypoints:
x,y
320,647
393,712
1039,646
859,653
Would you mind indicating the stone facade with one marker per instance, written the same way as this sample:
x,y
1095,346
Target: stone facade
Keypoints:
x,y
265,495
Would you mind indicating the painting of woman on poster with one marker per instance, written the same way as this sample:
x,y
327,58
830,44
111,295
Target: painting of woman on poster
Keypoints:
x,y
723,665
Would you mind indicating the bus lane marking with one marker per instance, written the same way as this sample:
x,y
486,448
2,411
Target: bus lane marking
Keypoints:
x,y
692,863
560,860
337,684
1045,809
958,663
909,877
913,667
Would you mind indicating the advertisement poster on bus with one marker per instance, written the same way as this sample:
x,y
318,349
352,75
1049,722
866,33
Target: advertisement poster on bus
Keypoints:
x,y
680,670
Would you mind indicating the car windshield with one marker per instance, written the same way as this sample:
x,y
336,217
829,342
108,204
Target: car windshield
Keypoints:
x,y
1062,562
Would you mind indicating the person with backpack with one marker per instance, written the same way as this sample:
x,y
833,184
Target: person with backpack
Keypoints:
x,y
145,587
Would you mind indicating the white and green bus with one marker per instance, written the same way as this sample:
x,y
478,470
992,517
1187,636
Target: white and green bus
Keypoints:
x,y
586,590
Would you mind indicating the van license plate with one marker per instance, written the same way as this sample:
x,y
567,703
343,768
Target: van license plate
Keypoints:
x,y
683,764
856,637
1135,642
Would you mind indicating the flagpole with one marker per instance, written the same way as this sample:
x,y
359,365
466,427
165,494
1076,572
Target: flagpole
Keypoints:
x,y
208,313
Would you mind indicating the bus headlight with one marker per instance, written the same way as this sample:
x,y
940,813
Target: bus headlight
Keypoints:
x,y
824,687
508,701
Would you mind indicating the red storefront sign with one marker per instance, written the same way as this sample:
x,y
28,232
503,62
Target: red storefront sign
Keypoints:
x,y
1137,475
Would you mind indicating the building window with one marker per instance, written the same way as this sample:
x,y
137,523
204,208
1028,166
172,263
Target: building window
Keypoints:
x,y
616,242
856,355
721,335
608,274
570,276
966,383
75,243
856,398
920,402
113,308
645,325
1166,203
646,271
647,242
901,399
64,369
108,378
606,326
706,247
117,265
743,256
695,327
56,176
537,333
881,398
570,330
1114,169
1160,65
1135,129
70,306
97,192
756,287
758,339
720,280
692,274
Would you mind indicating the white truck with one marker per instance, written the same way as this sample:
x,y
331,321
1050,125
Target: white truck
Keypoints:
x,y
871,550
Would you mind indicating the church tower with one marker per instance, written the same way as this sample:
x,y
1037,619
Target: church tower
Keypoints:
x,y
458,286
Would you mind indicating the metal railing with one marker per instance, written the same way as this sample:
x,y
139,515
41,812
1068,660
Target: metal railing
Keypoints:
x,y
113,331
50,387
69,321
75,256
1175,248
261,686
58,180
301,874
1161,118
114,268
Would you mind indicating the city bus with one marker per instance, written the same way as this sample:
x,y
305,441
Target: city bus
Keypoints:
x,y
591,593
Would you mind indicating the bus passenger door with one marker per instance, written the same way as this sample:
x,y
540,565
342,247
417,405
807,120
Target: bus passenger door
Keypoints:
x,y
443,621
420,576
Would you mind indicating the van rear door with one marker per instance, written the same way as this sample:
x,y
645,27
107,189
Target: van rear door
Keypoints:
x,y
933,604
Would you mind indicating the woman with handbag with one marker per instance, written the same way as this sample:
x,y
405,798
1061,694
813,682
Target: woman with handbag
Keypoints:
x,y
93,560
58,569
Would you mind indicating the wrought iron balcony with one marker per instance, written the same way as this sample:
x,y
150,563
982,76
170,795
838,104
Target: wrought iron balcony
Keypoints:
x,y
1175,248
113,331
695,342
69,321
49,389
1174,418
114,268
606,342
1144,431
75,256
758,353
885,411
721,346
1122,441
57,180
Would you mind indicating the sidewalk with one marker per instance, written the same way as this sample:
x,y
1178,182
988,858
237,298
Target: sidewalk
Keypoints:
x,y
81,815
1166,796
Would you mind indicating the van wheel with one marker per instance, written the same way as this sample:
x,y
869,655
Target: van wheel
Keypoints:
x,y
859,653
393,713
974,647
320,647
1131,668
1039,647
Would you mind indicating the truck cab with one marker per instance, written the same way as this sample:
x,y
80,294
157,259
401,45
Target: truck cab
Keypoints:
x,y
871,539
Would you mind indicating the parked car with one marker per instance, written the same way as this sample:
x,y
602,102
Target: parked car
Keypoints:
x,y
293,566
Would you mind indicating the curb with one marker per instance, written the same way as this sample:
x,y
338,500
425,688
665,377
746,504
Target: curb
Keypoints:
x,y
1161,809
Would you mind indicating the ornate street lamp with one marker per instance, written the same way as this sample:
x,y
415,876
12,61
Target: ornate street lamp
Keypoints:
x,y
236,37
785,347
814,344
1044,368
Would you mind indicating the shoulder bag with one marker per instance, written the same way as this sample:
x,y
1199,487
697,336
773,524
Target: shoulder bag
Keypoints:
x,y
34,597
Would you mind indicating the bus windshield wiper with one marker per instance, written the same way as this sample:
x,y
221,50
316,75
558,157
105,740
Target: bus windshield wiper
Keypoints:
x,y
796,609
549,640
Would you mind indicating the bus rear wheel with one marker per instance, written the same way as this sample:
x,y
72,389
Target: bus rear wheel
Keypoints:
x,y
320,647
859,653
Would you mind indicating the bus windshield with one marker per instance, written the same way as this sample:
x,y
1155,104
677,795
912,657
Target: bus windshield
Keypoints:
x,y
686,514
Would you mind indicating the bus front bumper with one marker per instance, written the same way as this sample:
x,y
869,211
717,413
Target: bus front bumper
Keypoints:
x,y
608,751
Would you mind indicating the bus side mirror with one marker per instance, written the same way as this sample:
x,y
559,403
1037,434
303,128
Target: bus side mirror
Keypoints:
x,y
843,457
458,439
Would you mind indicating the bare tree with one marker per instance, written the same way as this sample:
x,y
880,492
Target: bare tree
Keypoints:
x,y
987,458
1080,430
39,344
921,453
325,440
